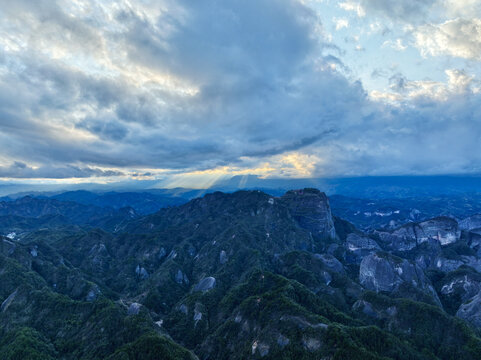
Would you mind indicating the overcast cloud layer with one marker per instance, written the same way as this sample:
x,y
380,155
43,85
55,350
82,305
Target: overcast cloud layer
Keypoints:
x,y
272,87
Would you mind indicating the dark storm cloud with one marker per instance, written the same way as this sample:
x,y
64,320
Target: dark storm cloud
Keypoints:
x,y
19,170
255,40
258,92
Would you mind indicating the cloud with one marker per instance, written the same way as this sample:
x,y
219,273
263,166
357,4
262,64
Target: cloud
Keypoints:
x,y
462,8
431,128
405,11
438,27
20,170
353,6
341,23
396,45
187,87
257,87
231,41
44,25
458,84
430,136
459,38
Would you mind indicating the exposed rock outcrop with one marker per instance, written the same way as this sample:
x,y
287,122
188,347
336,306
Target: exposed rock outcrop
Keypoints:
x,y
223,257
464,286
399,240
181,278
141,272
205,284
93,293
134,309
330,262
471,310
358,247
470,223
474,238
6,303
310,208
383,272
445,230
282,341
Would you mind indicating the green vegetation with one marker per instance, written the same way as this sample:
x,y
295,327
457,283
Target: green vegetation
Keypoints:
x,y
151,347
27,344
275,295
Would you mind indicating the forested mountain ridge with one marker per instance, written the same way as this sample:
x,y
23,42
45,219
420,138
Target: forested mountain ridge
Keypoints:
x,y
242,275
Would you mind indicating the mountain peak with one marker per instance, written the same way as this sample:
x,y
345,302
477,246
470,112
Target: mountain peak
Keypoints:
x,y
310,207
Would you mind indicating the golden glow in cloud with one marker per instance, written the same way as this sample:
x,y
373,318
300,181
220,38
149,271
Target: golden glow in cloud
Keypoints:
x,y
290,165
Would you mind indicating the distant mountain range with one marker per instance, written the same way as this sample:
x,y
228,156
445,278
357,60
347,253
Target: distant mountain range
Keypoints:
x,y
373,187
370,187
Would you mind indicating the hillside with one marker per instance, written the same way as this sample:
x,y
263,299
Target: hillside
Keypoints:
x,y
239,276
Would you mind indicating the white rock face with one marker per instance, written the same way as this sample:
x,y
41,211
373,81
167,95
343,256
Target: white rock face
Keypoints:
x,y
443,229
141,272
400,240
358,247
134,309
8,301
197,315
205,284
223,257
448,265
282,341
470,223
162,253
93,294
254,347
262,348
355,242
366,308
311,344
384,272
466,286
180,277
159,323
330,262
471,310
325,277
472,261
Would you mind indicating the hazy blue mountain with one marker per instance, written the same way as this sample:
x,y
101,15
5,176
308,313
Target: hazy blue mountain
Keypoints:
x,y
394,212
369,187
141,202
362,187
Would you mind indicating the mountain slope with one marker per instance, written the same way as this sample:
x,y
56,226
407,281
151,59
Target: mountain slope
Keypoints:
x,y
244,275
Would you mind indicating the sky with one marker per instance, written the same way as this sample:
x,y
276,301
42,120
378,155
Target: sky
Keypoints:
x,y
190,92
